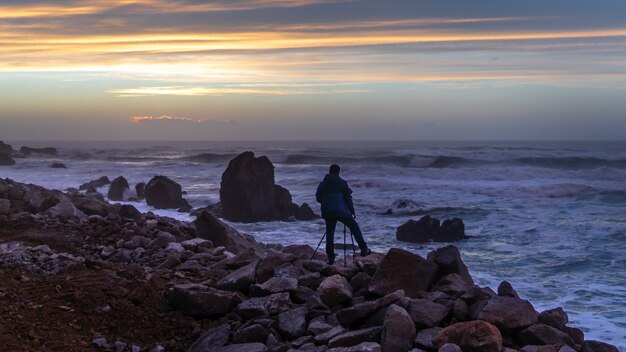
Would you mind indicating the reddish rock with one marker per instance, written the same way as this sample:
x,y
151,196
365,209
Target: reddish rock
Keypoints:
x,y
398,331
508,313
335,290
597,346
471,336
427,314
542,334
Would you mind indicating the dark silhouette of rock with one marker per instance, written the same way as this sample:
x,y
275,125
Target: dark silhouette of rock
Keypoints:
x,y
57,166
5,148
542,334
249,193
508,313
140,189
6,160
202,301
212,339
597,346
211,228
505,289
101,182
402,270
428,229
448,260
128,211
556,317
46,151
398,332
119,187
164,193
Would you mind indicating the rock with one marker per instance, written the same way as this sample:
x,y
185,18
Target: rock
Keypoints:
x,y
92,206
427,314
362,347
46,151
471,336
450,347
274,285
101,182
266,266
542,334
357,313
212,339
505,289
452,284
427,229
213,229
257,307
6,160
424,338
163,193
247,347
248,192
5,206
240,279
597,346
508,313
5,148
128,211
355,337
161,240
335,290
250,333
301,251
140,189
538,348
292,323
448,260
57,166
557,318
324,337
304,212
118,191
566,349
402,270
201,301
576,334
65,209
398,331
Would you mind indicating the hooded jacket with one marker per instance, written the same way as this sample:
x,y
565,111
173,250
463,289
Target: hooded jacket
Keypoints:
x,y
335,197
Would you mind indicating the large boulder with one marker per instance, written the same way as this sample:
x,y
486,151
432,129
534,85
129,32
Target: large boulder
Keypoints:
x,y
248,192
398,331
335,290
164,193
118,191
209,227
428,229
448,260
542,334
46,151
471,336
597,346
201,301
508,313
427,314
402,270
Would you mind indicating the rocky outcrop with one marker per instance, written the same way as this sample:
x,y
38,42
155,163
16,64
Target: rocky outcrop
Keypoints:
x,y
101,182
140,190
5,148
164,193
45,151
169,283
428,229
5,154
118,191
248,193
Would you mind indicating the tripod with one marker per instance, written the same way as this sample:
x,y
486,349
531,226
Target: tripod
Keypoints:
x,y
344,245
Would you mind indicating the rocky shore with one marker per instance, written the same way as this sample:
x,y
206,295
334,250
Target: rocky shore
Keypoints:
x,y
80,274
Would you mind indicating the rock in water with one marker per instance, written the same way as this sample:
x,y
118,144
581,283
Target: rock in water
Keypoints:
x,y
140,188
427,229
402,270
5,148
398,330
119,187
163,193
58,166
46,151
248,192
471,336
101,182
6,160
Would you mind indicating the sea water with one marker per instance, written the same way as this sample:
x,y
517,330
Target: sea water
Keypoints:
x,y
549,217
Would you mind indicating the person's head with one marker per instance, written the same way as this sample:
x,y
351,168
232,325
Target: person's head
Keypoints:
x,y
334,169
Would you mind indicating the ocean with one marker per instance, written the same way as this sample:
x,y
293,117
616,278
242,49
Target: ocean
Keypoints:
x,y
549,217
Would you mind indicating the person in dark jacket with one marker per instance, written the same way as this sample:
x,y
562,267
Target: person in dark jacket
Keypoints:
x,y
335,197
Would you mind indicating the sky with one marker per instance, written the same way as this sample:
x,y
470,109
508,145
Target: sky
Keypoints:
x,y
312,70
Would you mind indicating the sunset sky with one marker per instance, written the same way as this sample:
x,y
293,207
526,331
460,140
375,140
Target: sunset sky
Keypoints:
x,y
312,69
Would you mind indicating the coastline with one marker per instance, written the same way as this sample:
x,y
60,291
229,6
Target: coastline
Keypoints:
x,y
170,273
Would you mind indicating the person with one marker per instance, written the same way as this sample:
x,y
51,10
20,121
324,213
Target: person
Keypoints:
x,y
335,197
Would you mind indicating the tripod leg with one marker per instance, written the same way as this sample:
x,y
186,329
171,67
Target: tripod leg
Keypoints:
x,y
344,245
318,246
353,248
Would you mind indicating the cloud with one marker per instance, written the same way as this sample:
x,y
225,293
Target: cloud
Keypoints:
x,y
219,91
166,118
